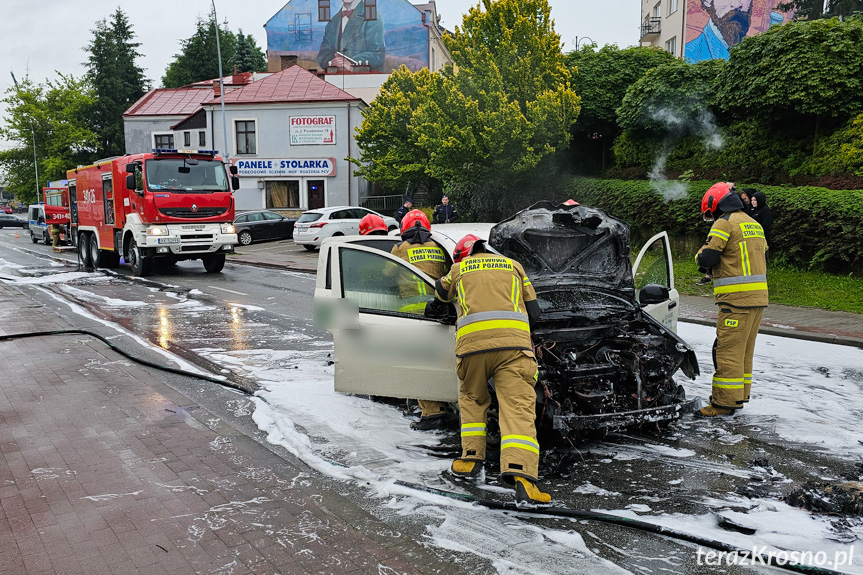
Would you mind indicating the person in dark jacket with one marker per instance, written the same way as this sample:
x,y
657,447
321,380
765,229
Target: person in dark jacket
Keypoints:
x,y
746,195
762,214
445,213
408,206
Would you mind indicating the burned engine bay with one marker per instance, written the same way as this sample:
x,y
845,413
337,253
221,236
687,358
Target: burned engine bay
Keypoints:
x,y
604,363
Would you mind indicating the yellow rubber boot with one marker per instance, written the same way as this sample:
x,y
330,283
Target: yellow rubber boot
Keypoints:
x,y
466,467
526,491
710,411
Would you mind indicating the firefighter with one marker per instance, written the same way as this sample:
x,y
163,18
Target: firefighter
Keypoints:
x,y
496,305
373,225
735,252
419,250
55,235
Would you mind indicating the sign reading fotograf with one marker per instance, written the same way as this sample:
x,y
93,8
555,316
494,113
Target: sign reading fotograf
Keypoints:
x,y
313,130
286,167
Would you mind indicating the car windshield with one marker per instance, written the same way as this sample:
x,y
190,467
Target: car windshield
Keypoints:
x,y
309,217
577,300
179,176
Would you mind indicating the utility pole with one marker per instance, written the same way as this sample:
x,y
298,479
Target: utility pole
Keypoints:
x,y
33,134
225,152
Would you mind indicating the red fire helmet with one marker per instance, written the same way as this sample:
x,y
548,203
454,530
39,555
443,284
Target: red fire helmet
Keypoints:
x,y
372,223
412,217
465,246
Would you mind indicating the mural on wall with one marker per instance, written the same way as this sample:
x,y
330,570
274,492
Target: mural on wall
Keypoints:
x,y
714,26
380,34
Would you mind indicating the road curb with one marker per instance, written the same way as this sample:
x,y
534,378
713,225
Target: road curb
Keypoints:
x,y
794,334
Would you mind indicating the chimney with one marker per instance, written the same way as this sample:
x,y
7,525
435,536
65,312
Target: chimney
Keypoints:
x,y
217,88
288,60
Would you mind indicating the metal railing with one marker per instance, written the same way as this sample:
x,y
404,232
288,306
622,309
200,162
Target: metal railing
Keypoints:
x,y
650,27
382,204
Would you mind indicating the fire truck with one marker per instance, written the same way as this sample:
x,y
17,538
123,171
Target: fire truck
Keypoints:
x,y
159,207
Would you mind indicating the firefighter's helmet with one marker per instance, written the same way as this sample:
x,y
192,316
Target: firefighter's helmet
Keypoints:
x,y
415,218
711,199
466,247
571,202
372,223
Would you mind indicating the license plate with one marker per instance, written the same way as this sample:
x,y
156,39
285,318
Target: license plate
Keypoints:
x,y
168,240
302,228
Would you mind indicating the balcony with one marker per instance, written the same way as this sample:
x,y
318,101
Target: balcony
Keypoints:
x,y
650,27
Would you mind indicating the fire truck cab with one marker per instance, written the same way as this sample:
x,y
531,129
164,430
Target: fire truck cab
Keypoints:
x,y
159,207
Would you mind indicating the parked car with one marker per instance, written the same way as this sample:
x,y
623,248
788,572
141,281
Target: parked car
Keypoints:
x,y
262,225
10,221
605,342
314,226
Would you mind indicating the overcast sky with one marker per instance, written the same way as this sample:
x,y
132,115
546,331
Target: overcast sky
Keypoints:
x,y
44,36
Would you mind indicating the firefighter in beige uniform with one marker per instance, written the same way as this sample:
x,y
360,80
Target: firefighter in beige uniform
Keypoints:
x,y
735,252
419,250
496,304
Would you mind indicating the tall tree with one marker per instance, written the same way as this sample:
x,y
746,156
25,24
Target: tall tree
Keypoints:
x,y
817,9
248,57
55,115
116,79
198,58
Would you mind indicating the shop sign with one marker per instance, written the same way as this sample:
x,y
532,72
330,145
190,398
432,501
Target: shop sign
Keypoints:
x,y
313,130
286,167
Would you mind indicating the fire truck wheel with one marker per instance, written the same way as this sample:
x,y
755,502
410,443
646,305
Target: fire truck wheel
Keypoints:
x,y
214,263
84,249
33,237
95,253
141,266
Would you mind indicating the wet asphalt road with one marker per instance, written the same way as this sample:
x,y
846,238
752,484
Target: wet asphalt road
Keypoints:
x,y
186,311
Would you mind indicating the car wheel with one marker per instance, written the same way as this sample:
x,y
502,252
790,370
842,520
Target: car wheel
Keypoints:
x,y
245,238
214,263
308,247
95,253
33,237
84,249
141,265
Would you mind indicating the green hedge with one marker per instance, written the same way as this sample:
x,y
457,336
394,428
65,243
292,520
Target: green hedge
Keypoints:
x,y
812,227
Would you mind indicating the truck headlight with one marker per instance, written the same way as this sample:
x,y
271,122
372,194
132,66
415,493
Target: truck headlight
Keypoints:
x,y
228,229
157,231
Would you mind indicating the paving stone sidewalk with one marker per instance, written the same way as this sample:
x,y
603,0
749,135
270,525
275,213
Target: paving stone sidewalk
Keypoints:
x,y
104,470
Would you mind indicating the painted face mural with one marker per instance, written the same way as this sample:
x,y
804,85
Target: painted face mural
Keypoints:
x,y
714,26
350,35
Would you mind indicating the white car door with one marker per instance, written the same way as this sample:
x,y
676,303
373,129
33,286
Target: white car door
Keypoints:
x,y
388,348
654,267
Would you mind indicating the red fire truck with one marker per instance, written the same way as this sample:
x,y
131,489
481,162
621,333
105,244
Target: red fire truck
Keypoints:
x,y
164,206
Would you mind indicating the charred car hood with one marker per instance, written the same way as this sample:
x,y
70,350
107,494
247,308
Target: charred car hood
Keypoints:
x,y
568,245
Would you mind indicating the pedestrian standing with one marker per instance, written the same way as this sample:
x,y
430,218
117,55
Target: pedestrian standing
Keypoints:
x,y
445,213
762,214
735,252
406,207
746,195
496,305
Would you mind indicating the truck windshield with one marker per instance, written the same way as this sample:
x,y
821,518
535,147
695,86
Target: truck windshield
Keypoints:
x,y
178,176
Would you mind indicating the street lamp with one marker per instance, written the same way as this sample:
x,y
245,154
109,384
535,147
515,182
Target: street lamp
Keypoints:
x,y
32,133
225,153
577,40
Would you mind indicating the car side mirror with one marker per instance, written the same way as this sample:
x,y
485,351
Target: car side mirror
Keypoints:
x,y
234,170
652,293
440,311
235,182
130,168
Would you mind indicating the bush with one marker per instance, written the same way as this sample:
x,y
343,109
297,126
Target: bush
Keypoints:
x,y
813,228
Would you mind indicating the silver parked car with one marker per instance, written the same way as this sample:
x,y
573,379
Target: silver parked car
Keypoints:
x,y
314,226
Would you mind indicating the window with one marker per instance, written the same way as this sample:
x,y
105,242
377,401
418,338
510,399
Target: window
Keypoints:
x,y
671,45
673,5
379,284
256,217
108,199
202,138
272,216
283,194
246,139
657,10
324,11
241,219
371,10
163,141
187,139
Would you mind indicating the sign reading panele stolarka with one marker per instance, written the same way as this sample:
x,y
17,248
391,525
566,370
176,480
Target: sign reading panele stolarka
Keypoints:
x,y
286,167
313,130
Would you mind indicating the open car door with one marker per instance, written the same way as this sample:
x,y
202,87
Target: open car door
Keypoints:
x,y
653,272
384,343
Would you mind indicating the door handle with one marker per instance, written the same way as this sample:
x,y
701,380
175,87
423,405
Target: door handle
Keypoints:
x,y
672,305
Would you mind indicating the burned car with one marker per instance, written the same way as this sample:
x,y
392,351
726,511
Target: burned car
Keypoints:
x,y
605,342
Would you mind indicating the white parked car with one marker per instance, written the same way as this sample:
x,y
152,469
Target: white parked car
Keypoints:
x,y
314,226
606,344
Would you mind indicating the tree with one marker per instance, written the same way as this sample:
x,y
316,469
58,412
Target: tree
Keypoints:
x,y
817,9
116,80
57,115
491,126
198,58
601,77
809,71
248,57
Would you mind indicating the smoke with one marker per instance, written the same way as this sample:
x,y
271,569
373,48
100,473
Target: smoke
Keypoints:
x,y
677,126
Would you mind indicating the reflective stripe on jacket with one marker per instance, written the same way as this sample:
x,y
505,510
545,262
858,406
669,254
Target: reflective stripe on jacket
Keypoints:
x,y
491,291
